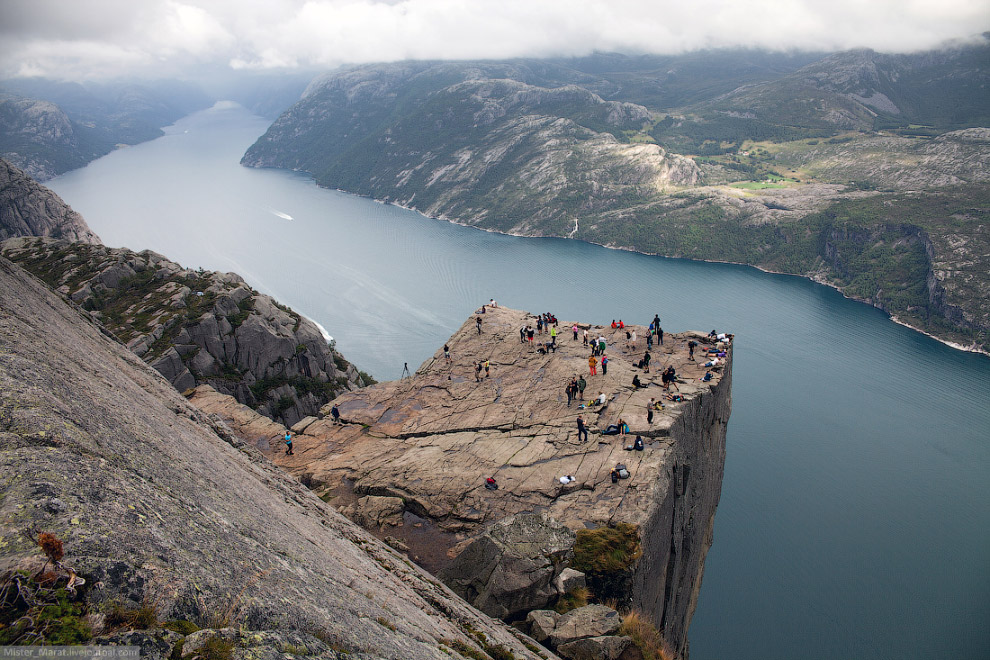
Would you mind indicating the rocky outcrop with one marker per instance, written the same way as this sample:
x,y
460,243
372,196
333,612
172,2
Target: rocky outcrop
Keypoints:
x,y
155,504
433,439
27,208
196,327
512,567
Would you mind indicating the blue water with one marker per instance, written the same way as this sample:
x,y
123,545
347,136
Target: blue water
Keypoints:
x,y
855,511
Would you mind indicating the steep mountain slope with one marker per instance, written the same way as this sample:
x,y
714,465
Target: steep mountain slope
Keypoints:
x,y
29,209
162,511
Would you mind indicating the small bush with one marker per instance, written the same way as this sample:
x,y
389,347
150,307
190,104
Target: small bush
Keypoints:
x,y
607,549
573,599
646,637
132,618
181,626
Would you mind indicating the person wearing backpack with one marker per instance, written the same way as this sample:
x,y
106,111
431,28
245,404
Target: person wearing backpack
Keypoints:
x,y
604,365
288,444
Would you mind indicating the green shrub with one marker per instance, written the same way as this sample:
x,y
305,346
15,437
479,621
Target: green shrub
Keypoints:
x,y
606,549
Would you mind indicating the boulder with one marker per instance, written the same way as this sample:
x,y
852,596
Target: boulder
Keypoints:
x,y
541,624
568,580
607,647
587,621
510,568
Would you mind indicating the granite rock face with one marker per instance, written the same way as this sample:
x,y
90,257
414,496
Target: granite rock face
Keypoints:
x,y
156,503
27,208
510,569
196,326
434,438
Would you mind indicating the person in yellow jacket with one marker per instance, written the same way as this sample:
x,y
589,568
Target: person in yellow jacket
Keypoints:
x,y
593,365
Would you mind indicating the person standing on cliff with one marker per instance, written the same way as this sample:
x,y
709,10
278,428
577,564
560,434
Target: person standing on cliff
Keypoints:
x,y
656,322
691,346
650,407
582,429
581,384
488,365
446,353
593,365
660,334
478,321
553,335
574,328
288,444
604,364
335,413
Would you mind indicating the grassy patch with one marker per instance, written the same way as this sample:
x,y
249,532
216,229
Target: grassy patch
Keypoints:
x,y
607,549
646,637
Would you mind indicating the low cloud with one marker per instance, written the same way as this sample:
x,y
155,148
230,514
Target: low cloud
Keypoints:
x,y
108,38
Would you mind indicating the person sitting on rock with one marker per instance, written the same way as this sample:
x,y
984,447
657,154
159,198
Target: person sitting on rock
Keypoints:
x,y
638,443
636,382
490,483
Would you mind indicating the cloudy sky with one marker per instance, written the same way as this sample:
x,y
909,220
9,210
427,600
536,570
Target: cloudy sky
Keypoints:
x,y
107,38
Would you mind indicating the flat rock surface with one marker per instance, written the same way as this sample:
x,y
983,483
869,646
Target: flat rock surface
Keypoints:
x,y
432,439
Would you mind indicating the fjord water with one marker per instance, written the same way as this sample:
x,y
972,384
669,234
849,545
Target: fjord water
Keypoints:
x,y
855,512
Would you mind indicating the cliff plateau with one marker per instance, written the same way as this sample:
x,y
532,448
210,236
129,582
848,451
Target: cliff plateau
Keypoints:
x,y
411,458
155,504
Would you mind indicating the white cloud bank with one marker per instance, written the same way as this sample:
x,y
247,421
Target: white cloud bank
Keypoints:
x,y
106,38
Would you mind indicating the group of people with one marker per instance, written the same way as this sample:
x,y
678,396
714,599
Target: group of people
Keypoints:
x,y
575,389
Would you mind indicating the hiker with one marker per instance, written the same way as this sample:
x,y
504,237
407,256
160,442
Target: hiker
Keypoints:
x,y
522,335
691,346
650,407
604,365
553,336
539,325
656,322
581,384
623,427
649,340
288,444
669,377
601,398
622,326
614,326
566,479
477,373
644,364
478,321
632,343
593,365
676,398
446,353
660,334
493,303
714,362
569,390
585,336
582,429
638,444
335,413
575,331
490,483
707,377
601,345
636,382
614,474
488,365
530,333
